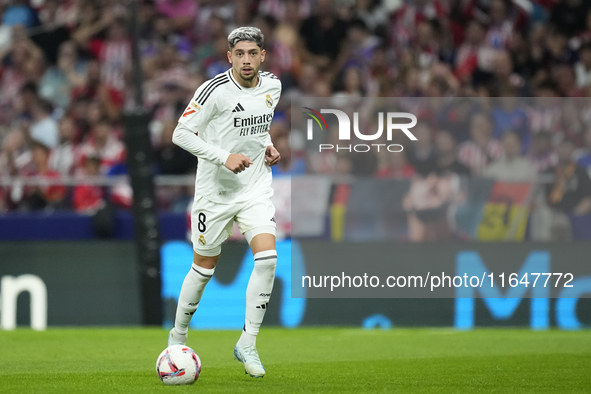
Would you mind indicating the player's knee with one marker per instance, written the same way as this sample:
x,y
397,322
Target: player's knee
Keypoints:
x,y
208,262
266,260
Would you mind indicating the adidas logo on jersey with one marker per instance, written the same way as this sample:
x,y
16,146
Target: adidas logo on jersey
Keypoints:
x,y
238,108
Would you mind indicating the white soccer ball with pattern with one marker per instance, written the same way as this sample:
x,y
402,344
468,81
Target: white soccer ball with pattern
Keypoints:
x,y
178,365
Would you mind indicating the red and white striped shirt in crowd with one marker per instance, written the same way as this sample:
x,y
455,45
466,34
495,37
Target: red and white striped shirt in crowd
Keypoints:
x,y
477,159
113,152
407,17
545,118
63,158
115,58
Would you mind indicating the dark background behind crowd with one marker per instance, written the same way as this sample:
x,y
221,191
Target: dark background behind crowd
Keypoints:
x,y
65,79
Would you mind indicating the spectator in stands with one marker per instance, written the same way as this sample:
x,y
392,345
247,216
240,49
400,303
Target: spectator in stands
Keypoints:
x,y
93,88
44,128
481,149
404,21
25,103
19,12
168,82
374,14
571,124
279,59
393,165
114,54
171,159
381,71
17,61
216,28
163,34
569,16
509,114
446,161
50,37
91,21
359,45
496,71
59,80
421,154
569,194
571,190
583,66
455,117
352,84
63,156
42,196
566,82
88,198
557,51
101,141
500,24
288,165
171,98
15,157
542,154
218,62
182,14
469,52
430,204
545,113
322,35
512,167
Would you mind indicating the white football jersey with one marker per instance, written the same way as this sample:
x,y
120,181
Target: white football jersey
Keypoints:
x,y
235,119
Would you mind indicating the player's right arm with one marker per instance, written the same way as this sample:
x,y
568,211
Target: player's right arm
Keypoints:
x,y
200,111
192,143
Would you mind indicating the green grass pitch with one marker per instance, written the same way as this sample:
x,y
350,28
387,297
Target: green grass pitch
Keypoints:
x,y
326,360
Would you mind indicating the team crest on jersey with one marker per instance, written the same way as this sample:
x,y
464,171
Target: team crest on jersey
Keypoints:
x,y
201,240
269,101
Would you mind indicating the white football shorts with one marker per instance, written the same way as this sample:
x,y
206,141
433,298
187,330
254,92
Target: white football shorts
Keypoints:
x,y
211,223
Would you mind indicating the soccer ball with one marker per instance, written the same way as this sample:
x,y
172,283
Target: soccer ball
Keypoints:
x,y
178,364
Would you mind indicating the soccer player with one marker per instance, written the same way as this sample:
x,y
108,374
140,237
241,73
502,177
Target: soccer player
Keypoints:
x,y
226,125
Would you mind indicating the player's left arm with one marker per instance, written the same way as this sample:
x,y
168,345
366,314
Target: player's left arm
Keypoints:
x,y
272,155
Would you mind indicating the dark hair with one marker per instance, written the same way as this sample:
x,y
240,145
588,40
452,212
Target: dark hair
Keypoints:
x,y
41,145
585,47
29,87
45,105
270,20
357,23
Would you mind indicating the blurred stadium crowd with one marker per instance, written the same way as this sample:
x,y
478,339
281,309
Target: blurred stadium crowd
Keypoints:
x,y
65,79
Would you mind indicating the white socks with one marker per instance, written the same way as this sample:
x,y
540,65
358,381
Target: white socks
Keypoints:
x,y
191,293
258,294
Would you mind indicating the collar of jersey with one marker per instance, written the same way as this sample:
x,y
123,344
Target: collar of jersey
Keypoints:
x,y
231,75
